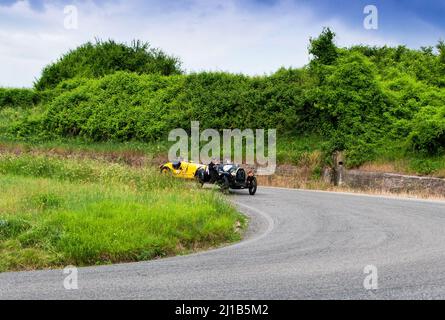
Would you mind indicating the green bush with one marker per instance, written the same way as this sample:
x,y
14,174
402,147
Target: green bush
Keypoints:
x,y
119,107
352,107
428,134
17,98
357,99
221,100
106,57
126,106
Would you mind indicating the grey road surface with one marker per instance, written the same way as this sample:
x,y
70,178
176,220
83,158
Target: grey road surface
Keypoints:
x,y
301,245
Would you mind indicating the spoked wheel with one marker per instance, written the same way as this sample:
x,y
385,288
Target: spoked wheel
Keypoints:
x,y
199,182
253,186
225,185
166,171
200,178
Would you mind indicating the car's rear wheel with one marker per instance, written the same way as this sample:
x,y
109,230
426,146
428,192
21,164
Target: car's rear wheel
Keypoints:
x,y
253,186
199,178
166,170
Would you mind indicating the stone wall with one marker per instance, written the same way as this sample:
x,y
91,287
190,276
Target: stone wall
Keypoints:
x,y
392,182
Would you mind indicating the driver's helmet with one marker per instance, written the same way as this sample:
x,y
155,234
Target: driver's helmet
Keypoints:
x,y
176,164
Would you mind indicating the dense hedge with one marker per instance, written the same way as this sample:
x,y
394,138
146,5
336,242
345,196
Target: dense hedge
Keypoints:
x,y
125,106
360,99
17,98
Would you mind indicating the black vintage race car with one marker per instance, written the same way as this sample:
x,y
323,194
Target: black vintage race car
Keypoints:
x,y
228,176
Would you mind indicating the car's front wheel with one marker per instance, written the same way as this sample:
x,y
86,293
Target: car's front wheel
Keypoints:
x,y
225,184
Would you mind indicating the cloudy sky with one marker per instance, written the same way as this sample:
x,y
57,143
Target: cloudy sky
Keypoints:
x,y
248,36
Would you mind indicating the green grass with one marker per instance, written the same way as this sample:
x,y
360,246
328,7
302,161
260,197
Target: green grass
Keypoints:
x,y
56,212
294,149
303,151
393,158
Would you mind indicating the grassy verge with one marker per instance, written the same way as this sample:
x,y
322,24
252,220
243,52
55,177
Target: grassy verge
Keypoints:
x,y
394,159
301,151
55,212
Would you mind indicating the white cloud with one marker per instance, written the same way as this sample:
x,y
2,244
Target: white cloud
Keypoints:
x,y
206,35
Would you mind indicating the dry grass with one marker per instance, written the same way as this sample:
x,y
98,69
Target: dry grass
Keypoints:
x,y
133,158
380,167
433,167
440,173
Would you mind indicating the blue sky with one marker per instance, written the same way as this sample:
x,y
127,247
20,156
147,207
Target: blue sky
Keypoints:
x,y
248,36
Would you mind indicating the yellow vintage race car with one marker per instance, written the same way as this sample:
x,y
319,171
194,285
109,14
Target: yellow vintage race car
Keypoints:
x,y
181,169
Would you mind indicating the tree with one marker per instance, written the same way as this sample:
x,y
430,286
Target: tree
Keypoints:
x,y
441,47
323,48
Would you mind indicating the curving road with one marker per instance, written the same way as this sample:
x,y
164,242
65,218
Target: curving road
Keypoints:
x,y
300,245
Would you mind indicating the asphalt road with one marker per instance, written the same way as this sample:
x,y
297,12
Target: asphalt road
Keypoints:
x,y
300,245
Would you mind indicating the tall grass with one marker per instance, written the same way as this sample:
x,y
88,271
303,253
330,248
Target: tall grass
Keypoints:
x,y
392,158
57,212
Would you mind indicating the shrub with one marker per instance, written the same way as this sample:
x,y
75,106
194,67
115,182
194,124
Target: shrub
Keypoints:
x,y
17,98
118,107
106,57
352,107
125,106
428,135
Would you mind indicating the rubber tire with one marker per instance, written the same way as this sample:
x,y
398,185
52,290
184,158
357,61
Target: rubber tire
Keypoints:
x,y
225,185
199,182
166,170
253,186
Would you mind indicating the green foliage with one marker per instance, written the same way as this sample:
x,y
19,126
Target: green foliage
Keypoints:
x,y
12,227
375,96
357,99
423,166
428,134
352,107
441,47
118,107
125,106
293,150
106,57
17,98
323,48
220,101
